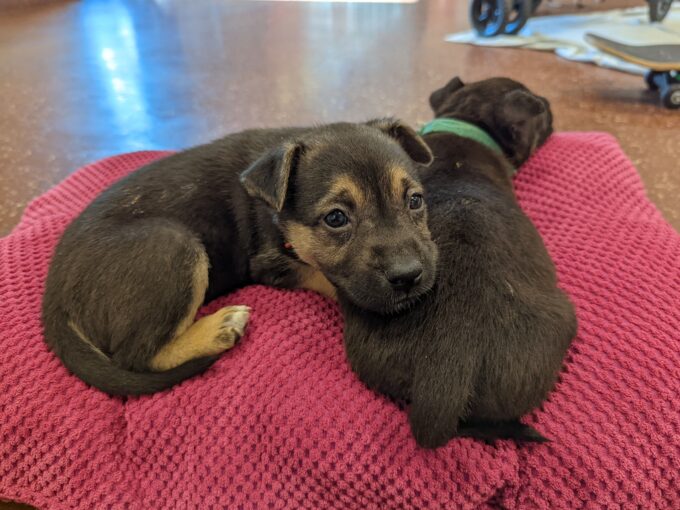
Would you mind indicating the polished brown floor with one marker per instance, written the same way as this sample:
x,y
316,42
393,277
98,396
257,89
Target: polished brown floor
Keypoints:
x,y
84,80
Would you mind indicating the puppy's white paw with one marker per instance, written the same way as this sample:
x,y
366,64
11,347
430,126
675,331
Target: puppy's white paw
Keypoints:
x,y
233,321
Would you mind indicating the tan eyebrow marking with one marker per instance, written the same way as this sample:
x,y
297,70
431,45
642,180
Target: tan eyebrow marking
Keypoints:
x,y
400,182
345,185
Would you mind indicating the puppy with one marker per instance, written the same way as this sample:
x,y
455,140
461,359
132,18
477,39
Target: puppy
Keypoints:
x,y
338,205
485,346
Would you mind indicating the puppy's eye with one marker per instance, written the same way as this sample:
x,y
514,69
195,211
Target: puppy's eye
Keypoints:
x,y
336,219
416,201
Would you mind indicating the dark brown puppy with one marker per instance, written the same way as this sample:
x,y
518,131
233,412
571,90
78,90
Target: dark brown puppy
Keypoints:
x,y
287,207
485,346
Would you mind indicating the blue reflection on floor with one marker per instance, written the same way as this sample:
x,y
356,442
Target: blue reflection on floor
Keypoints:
x,y
108,32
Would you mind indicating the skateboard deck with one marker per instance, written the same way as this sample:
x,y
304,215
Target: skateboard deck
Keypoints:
x,y
659,57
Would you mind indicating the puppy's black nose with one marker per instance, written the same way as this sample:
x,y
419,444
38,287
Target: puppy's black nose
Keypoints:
x,y
405,275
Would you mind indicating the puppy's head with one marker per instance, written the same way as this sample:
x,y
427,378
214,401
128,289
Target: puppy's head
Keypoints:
x,y
517,119
348,199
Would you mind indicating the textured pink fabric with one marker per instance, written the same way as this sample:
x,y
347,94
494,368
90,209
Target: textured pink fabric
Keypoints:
x,y
281,422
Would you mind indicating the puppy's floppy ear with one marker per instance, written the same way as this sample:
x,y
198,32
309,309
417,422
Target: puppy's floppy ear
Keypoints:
x,y
267,178
520,105
407,137
438,97
524,122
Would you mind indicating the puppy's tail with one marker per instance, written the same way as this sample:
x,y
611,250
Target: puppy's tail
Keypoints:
x,y
491,431
96,369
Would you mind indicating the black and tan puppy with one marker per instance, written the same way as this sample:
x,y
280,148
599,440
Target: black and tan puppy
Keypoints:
x,y
486,345
290,207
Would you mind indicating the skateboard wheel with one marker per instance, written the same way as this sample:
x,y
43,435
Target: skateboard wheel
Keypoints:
x,y
517,15
649,79
488,17
658,9
671,97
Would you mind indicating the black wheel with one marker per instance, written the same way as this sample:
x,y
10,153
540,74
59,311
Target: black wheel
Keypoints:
x,y
649,79
658,9
534,5
671,97
488,16
518,13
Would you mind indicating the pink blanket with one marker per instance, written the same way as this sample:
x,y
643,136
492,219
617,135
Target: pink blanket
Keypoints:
x,y
281,422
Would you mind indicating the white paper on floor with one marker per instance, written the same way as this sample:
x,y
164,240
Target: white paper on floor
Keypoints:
x,y
565,35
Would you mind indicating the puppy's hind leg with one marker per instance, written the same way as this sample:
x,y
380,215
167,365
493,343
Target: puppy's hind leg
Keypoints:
x,y
440,395
208,336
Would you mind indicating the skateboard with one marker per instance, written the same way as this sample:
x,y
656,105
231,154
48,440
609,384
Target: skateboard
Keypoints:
x,y
663,62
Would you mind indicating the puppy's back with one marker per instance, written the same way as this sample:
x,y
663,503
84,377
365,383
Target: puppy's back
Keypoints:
x,y
501,288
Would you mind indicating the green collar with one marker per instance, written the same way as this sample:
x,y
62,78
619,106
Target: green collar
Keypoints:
x,y
460,128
